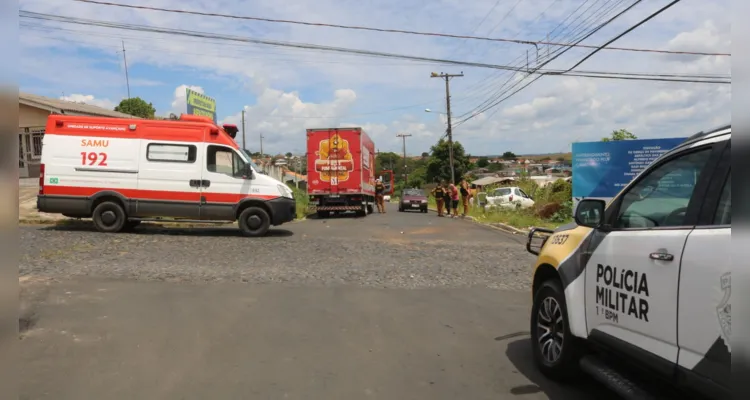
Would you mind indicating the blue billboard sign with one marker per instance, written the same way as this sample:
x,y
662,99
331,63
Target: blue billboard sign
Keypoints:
x,y
602,169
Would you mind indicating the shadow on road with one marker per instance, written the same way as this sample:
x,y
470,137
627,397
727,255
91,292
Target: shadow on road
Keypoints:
x,y
343,215
155,229
519,354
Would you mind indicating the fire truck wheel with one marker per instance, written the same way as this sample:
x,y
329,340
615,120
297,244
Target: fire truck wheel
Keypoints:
x,y
109,217
254,221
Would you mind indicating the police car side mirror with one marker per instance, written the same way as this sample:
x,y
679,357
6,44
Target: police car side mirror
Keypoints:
x,y
590,213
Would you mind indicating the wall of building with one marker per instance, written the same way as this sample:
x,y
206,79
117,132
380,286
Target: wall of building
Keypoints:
x,y
31,117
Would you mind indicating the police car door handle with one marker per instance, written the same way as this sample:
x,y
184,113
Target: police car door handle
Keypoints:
x,y
661,256
195,183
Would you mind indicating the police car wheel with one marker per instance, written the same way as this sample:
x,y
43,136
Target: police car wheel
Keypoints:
x,y
254,221
109,217
555,350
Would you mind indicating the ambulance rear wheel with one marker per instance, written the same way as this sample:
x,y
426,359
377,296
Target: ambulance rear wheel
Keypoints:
x,y
109,217
254,221
555,350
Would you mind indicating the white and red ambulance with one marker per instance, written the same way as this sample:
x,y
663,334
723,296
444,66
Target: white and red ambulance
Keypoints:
x,y
120,172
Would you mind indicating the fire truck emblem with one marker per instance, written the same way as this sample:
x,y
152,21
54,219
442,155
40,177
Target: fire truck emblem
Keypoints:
x,y
335,161
724,309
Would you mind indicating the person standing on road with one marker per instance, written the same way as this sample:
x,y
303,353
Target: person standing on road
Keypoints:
x,y
465,194
379,193
447,198
439,193
454,199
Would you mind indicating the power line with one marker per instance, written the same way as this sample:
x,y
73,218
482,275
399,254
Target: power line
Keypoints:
x,y
142,28
385,30
584,59
486,87
632,28
489,103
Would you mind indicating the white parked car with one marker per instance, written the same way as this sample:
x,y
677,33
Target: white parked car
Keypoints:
x,y
511,196
387,197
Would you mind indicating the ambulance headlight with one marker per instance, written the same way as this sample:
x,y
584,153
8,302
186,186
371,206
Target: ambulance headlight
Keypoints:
x,y
284,191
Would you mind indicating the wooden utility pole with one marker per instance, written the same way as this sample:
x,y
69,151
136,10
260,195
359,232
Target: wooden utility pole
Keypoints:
x,y
244,142
447,78
403,136
125,60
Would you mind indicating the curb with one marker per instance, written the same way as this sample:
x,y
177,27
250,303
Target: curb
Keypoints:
x,y
497,225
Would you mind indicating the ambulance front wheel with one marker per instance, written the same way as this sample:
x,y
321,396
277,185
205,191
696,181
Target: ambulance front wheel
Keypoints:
x,y
254,221
109,217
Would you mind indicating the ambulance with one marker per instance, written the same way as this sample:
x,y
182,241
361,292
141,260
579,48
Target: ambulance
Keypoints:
x,y
120,172
639,289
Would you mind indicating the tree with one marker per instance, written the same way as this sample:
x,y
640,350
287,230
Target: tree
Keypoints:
x,y
136,107
425,154
494,167
509,155
620,134
483,162
288,155
438,166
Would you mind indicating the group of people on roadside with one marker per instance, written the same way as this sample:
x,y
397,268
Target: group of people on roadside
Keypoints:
x,y
448,197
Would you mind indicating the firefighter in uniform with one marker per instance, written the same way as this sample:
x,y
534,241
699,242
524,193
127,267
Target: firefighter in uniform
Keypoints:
x,y
379,192
439,193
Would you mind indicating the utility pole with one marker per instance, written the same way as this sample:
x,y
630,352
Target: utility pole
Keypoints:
x,y
261,148
244,143
403,136
125,59
447,78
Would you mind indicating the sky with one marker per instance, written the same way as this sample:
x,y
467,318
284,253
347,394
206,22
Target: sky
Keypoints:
x,y
285,90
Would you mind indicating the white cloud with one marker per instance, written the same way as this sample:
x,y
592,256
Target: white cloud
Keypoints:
x,y
282,117
91,100
179,103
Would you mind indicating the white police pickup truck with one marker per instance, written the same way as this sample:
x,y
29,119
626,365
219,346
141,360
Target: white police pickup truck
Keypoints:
x,y
643,284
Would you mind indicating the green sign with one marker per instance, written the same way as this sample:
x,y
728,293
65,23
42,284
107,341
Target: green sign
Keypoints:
x,y
53,181
200,104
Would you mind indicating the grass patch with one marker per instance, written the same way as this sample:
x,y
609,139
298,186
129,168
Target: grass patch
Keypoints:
x,y
522,219
302,200
519,218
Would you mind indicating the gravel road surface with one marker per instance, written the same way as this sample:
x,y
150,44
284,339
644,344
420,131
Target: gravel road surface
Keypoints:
x,y
394,250
394,306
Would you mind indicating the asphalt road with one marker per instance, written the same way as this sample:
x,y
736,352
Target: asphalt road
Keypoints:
x,y
388,306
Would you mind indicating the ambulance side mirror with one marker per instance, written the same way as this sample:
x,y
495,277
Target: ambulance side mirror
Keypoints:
x,y
248,173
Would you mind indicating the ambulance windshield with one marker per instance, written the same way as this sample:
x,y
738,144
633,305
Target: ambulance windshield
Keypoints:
x,y
250,160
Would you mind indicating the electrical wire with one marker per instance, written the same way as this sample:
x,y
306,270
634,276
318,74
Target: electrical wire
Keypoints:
x,y
490,103
72,20
578,33
569,71
384,30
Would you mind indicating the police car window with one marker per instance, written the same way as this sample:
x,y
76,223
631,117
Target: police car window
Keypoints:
x,y
724,211
661,198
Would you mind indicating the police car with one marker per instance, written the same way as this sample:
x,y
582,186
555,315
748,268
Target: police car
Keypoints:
x,y
643,284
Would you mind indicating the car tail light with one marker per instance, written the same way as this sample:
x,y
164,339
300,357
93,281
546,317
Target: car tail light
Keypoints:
x,y
510,198
41,179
